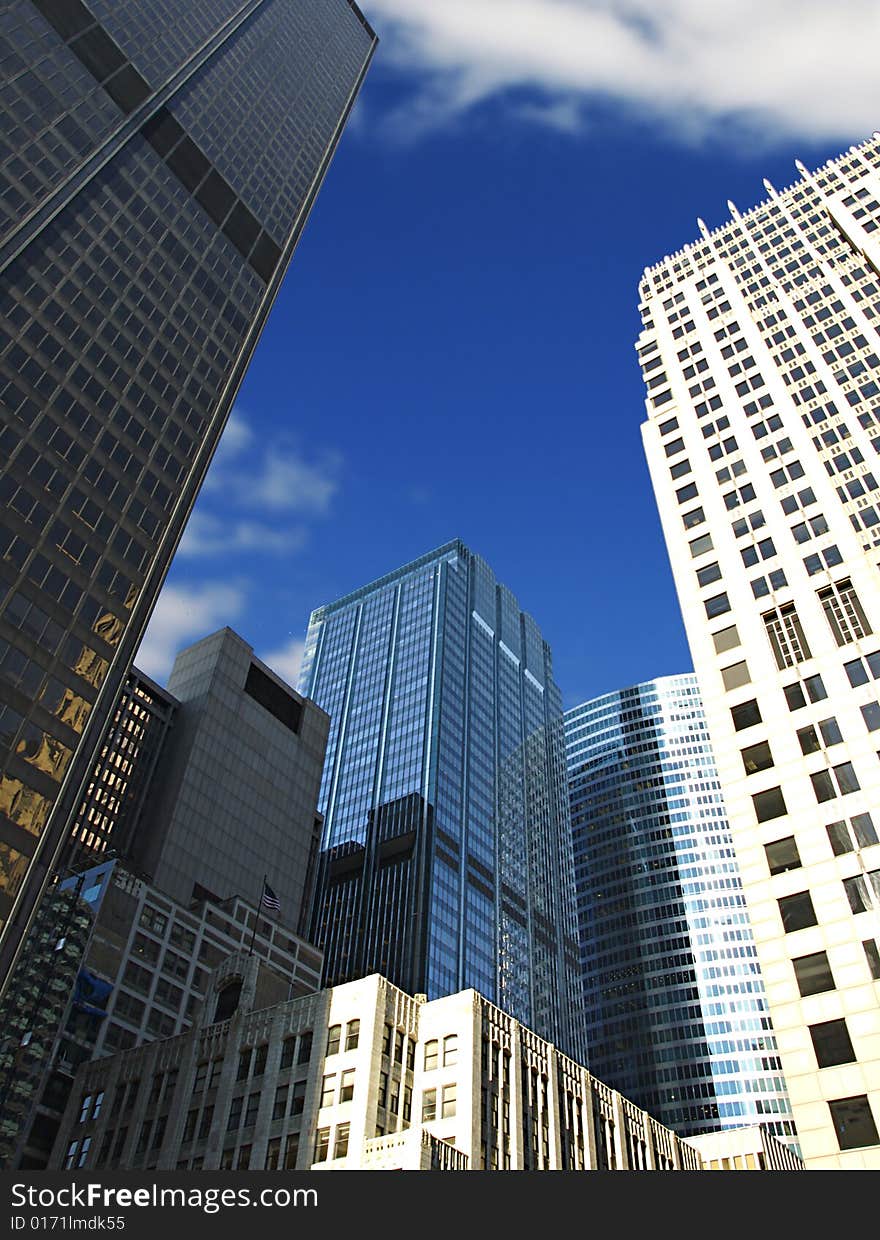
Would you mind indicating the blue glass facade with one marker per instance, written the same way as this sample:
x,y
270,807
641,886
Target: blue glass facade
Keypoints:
x,y
446,858
676,1014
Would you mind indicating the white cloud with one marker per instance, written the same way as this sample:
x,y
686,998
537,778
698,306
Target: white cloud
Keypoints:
x,y
237,435
286,482
209,535
185,614
270,473
286,660
767,68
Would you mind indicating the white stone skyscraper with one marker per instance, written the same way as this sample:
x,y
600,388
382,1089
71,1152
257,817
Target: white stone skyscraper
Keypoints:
x,y
760,355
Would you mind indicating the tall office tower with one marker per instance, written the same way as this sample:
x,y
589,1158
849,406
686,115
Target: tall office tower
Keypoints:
x,y
446,851
675,1007
761,355
159,163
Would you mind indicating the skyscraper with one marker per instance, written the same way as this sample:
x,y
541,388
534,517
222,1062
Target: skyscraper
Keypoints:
x,y
159,164
676,1013
762,364
446,857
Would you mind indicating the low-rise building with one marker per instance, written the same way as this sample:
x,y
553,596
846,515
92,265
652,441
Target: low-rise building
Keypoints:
x,y
358,1076
753,1148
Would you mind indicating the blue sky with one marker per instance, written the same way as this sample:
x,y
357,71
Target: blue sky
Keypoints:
x,y
451,354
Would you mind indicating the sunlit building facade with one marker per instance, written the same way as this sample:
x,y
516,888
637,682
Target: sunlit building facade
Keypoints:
x,y
761,359
676,1013
446,854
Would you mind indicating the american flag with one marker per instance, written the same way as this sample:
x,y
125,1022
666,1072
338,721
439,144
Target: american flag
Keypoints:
x,y
269,900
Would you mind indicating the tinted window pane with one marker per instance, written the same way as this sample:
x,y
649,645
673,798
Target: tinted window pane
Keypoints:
x,y
853,1122
746,715
782,855
797,911
832,1043
769,804
757,757
813,974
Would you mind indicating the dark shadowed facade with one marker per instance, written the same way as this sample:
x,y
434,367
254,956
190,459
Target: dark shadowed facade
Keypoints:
x,y
159,161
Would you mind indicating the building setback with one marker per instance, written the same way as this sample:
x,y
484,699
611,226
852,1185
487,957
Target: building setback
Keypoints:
x,y
446,855
760,354
164,162
358,1076
676,1013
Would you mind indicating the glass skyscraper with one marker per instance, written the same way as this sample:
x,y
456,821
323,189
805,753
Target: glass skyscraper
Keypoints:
x,y
676,1014
446,858
762,370
158,162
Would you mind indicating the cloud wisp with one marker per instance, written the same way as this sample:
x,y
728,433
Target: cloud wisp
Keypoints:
x,y
763,68
184,614
285,660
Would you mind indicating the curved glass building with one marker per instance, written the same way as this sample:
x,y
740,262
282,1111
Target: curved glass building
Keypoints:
x,y
676,1014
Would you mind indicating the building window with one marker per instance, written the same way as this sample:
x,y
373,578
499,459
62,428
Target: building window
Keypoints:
x,y
84,1108
769,804
726,639
746,715
757,757
448,1102
832,1043
244,1064
279,1107
253,1106
857,893
328,1089
352,1035
860,671
322,1144
287,1052
813,974
794,693
340,1145
291,1151
346,1085
234,1114
809,739
304,1053
860,834
450,1050
844,613
70,1156
797,911
717,605
260,1059
273,1155
782,855
853,1122
736,675
334,1035
700,545
871,715
429,1105
431,1054
872,955
298,1098
786,636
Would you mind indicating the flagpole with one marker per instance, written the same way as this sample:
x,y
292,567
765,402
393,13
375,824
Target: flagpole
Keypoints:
x,y
257,918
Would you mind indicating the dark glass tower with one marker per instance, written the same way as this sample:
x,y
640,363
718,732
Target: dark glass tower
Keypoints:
x,y
446,858
158,162
676,1012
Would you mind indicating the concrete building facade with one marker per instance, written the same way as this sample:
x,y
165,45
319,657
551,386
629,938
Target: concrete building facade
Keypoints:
x,y
760,355
360,1076
135,967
